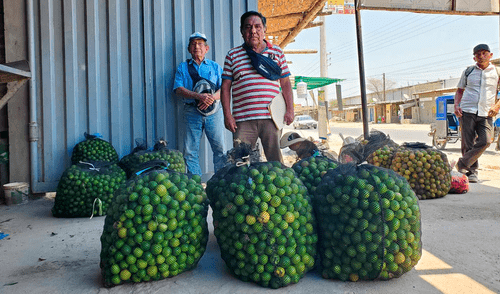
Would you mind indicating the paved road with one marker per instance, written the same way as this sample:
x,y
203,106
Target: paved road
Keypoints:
x,y
399,135
397,132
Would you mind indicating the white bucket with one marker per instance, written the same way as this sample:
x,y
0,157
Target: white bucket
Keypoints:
x,y
16,193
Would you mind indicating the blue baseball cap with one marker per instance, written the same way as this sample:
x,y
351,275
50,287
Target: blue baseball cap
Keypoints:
x,y
197,35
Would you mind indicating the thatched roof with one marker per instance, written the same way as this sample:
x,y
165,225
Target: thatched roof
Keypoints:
x,y
287,18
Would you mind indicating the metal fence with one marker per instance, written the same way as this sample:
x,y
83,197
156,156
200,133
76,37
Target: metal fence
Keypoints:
x,y
107,67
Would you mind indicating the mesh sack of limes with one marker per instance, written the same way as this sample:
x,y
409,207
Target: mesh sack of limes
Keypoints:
x,y
426,168
368,223
310,170
358,150
156,228
133,162
86,189
263,223
93,148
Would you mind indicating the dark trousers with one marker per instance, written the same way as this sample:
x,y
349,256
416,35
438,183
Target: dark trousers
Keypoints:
x,y
477,133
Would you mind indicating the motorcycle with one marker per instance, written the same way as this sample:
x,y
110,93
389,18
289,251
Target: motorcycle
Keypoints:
x,y
447,126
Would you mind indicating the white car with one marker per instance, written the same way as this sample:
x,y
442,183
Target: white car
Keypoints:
x,y
304,121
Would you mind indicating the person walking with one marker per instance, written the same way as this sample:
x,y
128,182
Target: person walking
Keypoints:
x,y
197,82
255,71
476,104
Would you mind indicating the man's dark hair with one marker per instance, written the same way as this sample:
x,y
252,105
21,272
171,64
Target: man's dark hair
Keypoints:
x,y
251,13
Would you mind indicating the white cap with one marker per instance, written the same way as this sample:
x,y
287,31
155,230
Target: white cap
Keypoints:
x,y
290,138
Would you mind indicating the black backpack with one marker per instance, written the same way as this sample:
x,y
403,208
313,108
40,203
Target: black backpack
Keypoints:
x,y
471,68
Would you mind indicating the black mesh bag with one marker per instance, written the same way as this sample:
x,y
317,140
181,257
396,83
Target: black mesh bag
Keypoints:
x,y
311,170
172,158
94,148
369,224
155,229
361,149
263,222
426,168
86,189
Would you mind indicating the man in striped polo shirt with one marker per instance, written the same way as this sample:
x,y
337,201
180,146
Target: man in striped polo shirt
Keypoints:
x,y
251,92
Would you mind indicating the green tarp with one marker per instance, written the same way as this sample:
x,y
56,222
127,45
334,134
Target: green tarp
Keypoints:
x,y
315,82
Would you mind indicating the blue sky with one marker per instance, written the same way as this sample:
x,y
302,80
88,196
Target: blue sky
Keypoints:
x,y
410,48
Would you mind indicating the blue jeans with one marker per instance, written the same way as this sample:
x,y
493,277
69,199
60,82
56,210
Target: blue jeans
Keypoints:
x,y
213,125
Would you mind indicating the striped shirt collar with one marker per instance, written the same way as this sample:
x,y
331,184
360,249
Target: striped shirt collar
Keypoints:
x,y
269,45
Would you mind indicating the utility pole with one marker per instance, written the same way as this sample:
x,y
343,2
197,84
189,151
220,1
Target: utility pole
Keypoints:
x,y
323,126
383,79
323,54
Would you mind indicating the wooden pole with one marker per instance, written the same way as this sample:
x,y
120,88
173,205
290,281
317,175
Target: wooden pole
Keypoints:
x,y
311,15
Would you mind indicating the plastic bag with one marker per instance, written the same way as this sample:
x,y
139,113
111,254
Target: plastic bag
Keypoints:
x,y
459,183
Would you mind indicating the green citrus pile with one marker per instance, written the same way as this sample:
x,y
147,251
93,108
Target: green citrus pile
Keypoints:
x,y
133,162
156,228
94,149
426,169
368,224
87,189
263,222
311,170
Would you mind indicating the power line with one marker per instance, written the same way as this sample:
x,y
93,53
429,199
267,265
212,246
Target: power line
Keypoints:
x,y
372,34
394,37
397,38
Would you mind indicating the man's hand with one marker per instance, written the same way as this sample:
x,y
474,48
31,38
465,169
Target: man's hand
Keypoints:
x,y
494,109
289,116
458,111
230,123
205,100
492,112
286,91
457,100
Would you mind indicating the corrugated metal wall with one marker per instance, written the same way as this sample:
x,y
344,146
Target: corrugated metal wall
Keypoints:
x,y
107,66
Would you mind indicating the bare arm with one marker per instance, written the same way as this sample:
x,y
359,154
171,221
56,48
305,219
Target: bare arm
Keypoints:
x,y
225,99
286,89
458,98
494,109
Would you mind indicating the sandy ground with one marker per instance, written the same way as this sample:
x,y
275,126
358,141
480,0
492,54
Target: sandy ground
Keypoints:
x,y
460,235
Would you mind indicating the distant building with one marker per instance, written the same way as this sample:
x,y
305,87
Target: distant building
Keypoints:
x,y
411,104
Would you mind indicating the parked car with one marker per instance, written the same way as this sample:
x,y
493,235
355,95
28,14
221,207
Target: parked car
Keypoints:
x,y
304,121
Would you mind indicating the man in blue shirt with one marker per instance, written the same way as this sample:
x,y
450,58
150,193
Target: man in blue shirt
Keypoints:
x,y
202,111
